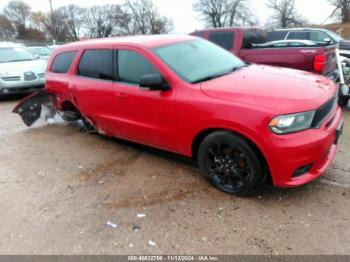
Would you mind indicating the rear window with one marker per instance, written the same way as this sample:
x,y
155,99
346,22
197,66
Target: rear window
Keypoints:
x,y
97,64
62,62
253,37
276,35
223,39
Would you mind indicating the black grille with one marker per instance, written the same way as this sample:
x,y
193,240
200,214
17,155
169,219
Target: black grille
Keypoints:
x,y
11,78
323,112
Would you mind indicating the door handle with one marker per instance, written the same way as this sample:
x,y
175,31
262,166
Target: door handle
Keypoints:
x,y
121,95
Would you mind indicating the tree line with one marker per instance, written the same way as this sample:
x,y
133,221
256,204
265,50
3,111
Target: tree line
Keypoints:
x,y
71,22
132,17
228,13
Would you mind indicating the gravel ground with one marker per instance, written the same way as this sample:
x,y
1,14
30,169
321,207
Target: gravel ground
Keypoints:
x,y
59,187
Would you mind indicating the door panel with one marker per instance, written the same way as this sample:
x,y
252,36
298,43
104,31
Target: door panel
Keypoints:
x,y
147,117
93,92
97,101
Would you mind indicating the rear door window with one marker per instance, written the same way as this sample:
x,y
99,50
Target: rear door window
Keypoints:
x,y
62,62
299,35
97,64
276,35
223,39
132,66
253,37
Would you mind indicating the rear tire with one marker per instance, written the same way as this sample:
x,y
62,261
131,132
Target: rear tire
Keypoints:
x,y
230,164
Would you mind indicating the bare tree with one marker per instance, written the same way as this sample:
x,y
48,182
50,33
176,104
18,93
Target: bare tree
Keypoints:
x,y
225,13
213,12
285,14
18,12
72,18
7,31
100,20
43,22
142,17
341,9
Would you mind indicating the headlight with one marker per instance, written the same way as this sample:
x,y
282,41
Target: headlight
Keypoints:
x,y
292,123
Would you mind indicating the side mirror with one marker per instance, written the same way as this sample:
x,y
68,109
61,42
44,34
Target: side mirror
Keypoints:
x,y
327,40
153,82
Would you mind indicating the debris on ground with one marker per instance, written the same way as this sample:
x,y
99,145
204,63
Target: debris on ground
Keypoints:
x,y
111,224
141,215
151,243
136,228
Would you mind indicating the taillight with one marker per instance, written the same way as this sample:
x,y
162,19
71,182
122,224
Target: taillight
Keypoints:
x,y
320,63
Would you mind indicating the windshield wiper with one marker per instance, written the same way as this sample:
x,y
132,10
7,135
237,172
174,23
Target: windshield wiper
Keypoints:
x,y
207,78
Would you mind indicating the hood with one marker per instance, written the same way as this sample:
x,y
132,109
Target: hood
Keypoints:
x,y
18,68
281,90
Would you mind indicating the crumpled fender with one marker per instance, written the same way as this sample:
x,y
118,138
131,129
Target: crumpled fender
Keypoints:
x,y
33,106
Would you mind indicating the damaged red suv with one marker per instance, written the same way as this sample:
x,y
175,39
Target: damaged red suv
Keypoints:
x,y
242,122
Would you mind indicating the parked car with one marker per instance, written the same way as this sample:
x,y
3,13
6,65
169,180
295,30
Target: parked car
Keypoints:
x,y
41,52
244,42
319,35
20,71
242,123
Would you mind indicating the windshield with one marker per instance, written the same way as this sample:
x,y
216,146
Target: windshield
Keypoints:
x,y
14,54
198,60
40,50
337,38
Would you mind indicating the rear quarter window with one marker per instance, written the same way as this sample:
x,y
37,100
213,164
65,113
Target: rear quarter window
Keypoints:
x,y
223,39
62,62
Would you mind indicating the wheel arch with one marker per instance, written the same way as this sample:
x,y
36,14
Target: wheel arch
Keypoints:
x,y
205,132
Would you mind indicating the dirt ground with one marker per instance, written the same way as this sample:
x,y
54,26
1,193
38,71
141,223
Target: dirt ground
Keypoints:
x,y
59,187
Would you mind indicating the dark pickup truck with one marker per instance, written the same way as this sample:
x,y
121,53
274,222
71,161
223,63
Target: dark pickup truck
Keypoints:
x,y
244,43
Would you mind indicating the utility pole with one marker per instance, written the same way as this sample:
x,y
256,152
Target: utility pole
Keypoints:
x,y
53,24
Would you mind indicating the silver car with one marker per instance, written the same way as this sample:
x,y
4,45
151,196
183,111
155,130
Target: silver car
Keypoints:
x,y
20,71
41,52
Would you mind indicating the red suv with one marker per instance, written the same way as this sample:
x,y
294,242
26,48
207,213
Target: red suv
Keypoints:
x,y
241,122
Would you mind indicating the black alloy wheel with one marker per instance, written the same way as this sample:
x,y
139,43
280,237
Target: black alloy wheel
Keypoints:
x,y
230,164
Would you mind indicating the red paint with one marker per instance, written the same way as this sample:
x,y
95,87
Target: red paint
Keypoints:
x,y
244,102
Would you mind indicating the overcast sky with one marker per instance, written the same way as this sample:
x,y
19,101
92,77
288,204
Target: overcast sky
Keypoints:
x,y
185,20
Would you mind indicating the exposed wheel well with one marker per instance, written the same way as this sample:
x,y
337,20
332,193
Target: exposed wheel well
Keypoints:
x,y
69,112
68,106
199,138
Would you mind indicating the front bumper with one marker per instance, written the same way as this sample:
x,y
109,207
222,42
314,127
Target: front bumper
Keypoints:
x,y
20,87
314,148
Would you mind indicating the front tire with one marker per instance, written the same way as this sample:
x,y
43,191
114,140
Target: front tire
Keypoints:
x,y
230,164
